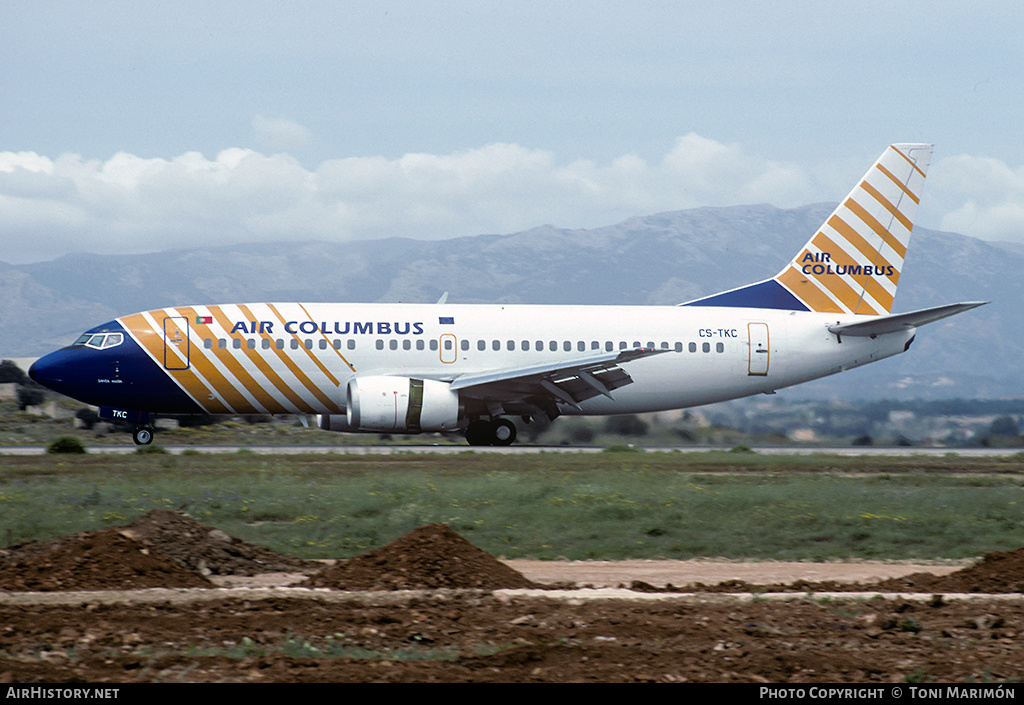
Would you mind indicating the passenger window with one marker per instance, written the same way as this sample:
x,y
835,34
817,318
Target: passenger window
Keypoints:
x,y
553,346
351,344
250,343
295,343
236,343
222,344
609,345
679,347
720,347
393,344
406,344
495,345
309,343
511,345
526,345
323,343
693,347
566,345
433,345
208,343
279,343
380,344
481,345
581,346
419,344
265,343
706,347
464,344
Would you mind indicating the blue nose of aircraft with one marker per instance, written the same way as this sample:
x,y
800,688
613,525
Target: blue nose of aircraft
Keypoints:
x,y
49,371
106,368
57,371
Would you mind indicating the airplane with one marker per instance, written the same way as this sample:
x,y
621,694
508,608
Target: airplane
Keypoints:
x,y
418,368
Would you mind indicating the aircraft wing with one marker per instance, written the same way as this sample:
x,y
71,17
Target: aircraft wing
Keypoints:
x,y
902,321
544,387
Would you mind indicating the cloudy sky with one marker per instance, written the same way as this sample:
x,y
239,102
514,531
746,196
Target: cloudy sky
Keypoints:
x,y
140,126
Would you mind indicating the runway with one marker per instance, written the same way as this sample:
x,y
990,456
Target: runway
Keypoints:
x,y
894,451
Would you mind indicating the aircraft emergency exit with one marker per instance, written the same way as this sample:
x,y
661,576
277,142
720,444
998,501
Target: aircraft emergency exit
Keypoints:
x,y
412,368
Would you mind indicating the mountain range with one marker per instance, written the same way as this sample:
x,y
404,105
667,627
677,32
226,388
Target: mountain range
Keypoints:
x,y
660,259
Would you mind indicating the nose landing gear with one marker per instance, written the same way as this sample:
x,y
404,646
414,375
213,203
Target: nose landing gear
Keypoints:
x,y
142,435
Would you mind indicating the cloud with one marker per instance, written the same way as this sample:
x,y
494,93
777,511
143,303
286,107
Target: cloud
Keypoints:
x,y
983,196
280,135
129,204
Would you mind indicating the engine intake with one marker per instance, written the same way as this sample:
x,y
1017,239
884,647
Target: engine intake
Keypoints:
x,y
385,403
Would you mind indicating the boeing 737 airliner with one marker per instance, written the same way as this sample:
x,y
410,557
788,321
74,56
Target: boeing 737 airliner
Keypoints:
x,y
443,367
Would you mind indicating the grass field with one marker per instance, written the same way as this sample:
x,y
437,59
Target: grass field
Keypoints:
x,y
610,505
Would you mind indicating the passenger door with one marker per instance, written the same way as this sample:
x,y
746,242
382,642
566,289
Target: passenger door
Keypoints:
x,y
176,343
757,360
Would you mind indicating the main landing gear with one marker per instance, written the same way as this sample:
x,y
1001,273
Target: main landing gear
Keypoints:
x,y
496,432
142,435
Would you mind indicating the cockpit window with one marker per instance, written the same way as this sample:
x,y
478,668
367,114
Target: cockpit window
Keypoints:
x,y
100,341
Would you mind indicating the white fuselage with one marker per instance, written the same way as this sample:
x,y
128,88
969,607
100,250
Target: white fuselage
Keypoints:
x,y
248,354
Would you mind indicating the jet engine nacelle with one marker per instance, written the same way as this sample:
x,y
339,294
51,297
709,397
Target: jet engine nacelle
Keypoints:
x,y
386,403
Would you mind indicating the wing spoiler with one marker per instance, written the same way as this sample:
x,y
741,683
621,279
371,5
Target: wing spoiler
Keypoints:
x,y
901,321
585,364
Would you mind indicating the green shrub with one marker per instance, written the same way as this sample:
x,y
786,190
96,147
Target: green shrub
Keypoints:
x,y
65,444
152,449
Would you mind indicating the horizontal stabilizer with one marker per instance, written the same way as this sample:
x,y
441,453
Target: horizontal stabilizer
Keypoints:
x,y
902,321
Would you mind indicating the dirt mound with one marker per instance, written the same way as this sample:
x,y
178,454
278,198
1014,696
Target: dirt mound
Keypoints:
x,y
94,560
208,550
431,556
164,548
996,572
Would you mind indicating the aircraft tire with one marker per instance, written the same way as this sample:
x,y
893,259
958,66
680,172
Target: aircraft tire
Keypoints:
x,y
478,433
143,435
503,432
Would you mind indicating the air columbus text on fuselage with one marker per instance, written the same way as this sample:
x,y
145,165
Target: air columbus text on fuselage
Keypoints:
x,y
332,328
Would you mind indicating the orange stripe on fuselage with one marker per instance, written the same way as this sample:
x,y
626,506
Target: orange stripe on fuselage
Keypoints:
x,y
267,369
227,357
295,370
222,386
152,341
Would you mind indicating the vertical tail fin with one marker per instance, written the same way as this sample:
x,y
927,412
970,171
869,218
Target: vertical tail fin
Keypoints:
x,y
853,263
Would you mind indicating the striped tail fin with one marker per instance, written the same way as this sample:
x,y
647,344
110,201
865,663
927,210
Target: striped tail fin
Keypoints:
x,y
853,263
